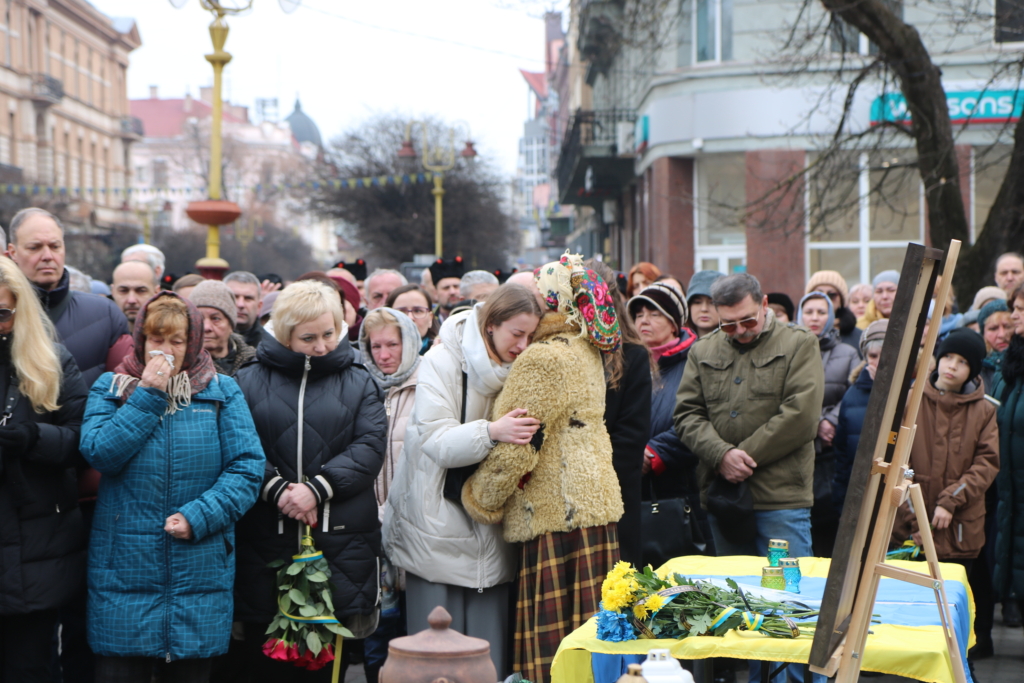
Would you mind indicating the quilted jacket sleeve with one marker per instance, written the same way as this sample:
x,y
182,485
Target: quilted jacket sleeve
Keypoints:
x,y
111,437
58,441
356,468
532,384
239,482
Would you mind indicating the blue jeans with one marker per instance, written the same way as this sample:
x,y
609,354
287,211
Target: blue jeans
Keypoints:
x,y
791,525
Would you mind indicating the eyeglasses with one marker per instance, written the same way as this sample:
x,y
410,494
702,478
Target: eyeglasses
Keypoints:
x,y
6,314
417,312
747,323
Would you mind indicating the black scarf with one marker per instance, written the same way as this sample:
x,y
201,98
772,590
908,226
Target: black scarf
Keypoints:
x,y
1013,364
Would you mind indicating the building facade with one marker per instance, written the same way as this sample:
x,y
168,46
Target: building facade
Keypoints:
x,y
682,148
65,124
264,165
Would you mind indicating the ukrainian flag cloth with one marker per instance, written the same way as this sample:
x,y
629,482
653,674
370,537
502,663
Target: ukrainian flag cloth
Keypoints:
x,y
908,641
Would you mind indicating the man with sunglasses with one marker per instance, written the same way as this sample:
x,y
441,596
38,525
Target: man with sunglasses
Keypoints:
x,y
748,406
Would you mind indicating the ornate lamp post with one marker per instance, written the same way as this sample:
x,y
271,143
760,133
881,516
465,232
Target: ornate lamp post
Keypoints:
x,y
437,160
215,212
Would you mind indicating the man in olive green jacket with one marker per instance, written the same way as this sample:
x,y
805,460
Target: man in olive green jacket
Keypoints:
x,y
748,406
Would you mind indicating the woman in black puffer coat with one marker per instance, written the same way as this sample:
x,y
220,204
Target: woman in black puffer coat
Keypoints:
x,y
306,375
42,533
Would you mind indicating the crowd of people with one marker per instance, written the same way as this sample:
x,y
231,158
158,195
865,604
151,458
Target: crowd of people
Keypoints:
x,y
492,447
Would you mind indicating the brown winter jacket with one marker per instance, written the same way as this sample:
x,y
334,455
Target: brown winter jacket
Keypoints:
x,y
955,458
563,479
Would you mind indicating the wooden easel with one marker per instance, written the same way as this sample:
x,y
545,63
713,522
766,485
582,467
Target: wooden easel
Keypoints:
x,y
853,578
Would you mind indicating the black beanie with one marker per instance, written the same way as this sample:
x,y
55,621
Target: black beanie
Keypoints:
x,y
780,299
967,343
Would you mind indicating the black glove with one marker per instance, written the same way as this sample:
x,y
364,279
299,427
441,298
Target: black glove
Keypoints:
x,y
18,439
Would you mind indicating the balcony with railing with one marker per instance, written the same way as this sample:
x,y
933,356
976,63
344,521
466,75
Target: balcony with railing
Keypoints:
x,y
46,89
131,128
597,156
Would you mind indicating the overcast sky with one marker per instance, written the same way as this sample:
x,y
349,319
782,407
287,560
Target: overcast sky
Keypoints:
x,y
346,60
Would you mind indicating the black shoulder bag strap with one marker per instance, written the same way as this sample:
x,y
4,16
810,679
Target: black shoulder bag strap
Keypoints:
x,y
456,477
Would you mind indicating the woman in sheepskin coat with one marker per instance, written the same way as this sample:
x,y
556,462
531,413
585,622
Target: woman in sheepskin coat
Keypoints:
x,y
557,495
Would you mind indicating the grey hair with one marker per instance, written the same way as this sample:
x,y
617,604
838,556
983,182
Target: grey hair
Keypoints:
x,y
23,215
473,278
1014,254
425,277
242,276
732,289
78,281
156,280
154,257
384,271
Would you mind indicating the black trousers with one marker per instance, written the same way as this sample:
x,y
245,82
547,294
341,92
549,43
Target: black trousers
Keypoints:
x,y
140,670
25,646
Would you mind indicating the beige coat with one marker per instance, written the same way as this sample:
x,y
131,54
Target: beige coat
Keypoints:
x,y
398,405
564,479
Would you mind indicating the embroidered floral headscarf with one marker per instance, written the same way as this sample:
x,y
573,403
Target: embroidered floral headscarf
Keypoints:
x,y
582,296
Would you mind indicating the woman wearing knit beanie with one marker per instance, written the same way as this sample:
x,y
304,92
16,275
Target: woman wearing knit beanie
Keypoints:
x,y
833,284
885,284
659,312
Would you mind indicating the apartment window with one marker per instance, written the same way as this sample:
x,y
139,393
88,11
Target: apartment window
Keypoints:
x,y
867,207
714,30
1009,21
160,173
846,38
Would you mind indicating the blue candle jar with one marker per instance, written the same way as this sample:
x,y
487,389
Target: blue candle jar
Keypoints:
x,y
777,549
791,571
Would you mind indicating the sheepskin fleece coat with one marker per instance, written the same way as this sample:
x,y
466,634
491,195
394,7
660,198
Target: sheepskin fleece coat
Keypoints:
x,y
563,479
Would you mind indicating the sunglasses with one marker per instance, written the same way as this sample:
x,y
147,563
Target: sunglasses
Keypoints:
x,y
6,314
747,323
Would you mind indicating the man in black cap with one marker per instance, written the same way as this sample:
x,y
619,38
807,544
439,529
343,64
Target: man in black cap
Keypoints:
x,y
447,276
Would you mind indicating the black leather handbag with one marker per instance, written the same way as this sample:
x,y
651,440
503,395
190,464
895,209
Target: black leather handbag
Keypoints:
x,y
670,529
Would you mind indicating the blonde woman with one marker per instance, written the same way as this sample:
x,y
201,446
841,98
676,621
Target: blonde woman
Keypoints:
x,y
42,533
321,475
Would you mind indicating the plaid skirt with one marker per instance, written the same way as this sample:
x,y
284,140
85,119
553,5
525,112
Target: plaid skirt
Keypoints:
x,y
560,577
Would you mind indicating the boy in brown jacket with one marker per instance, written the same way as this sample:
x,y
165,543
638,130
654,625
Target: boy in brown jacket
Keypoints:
x,y
955,455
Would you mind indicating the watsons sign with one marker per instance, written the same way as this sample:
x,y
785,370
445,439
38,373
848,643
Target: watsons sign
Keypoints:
x,y
967,106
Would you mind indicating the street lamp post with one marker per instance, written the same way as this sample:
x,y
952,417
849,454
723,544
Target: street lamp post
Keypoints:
x,y
437,160
215,211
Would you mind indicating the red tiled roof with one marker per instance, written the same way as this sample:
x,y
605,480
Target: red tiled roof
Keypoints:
x,y
537,81
166,118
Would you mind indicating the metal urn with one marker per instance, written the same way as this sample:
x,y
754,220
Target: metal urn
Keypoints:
x,y
438,655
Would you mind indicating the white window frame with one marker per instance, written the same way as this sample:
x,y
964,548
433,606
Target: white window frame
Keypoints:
x,y
717,37
722,252
864,244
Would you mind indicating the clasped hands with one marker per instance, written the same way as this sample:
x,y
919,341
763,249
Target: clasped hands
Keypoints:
x,y
736,466
298,502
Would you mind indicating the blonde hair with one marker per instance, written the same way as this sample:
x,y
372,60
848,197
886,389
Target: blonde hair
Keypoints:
x,y
301,302
33,350
378,319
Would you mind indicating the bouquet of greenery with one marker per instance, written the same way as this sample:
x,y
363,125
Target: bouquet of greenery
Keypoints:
x,y
304,639
908,551
642,604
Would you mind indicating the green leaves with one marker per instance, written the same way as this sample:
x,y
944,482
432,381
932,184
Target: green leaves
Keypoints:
x,y
313,642
700,625
304,592
297,597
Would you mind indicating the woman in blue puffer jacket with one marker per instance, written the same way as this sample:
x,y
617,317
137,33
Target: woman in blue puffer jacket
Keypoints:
x,y
181,463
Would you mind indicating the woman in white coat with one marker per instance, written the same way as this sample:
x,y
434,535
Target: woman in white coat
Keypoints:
x,y
449,559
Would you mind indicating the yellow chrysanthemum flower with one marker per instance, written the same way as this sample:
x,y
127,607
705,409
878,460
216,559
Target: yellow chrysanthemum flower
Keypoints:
x,y
640,611
655,602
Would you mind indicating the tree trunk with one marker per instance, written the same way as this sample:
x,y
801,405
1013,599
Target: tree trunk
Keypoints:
x,y
920,80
